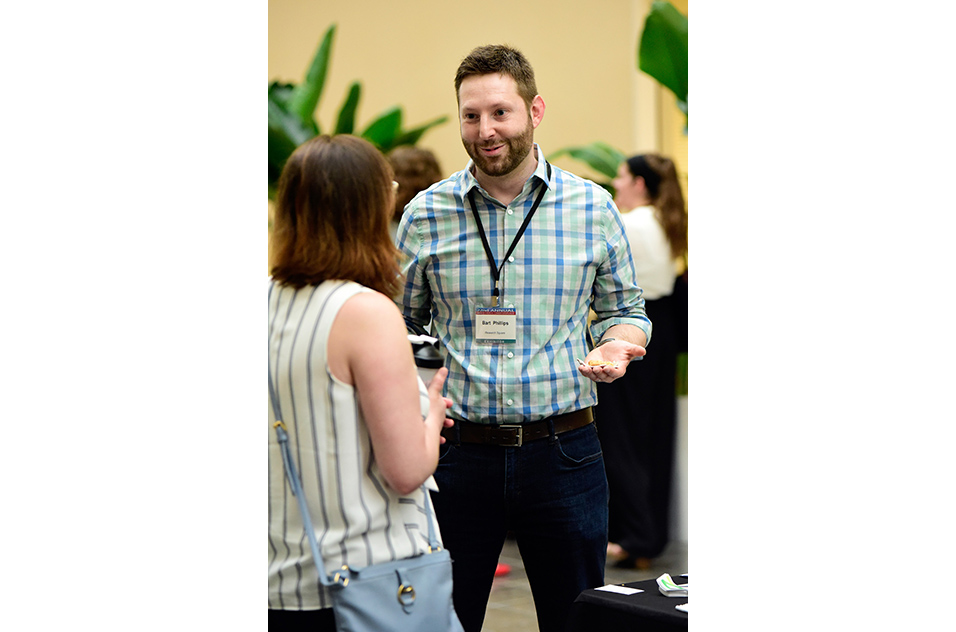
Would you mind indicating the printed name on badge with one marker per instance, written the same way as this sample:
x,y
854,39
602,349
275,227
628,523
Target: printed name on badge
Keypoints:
x,y
496,324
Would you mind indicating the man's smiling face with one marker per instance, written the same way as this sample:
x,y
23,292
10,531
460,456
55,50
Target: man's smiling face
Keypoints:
x,y
496,126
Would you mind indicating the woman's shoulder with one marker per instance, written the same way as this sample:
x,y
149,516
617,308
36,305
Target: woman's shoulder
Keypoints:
x,y
643,219
640,215
347,291
368,304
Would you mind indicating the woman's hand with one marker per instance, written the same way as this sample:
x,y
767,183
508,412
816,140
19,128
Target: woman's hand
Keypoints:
x,y
437,405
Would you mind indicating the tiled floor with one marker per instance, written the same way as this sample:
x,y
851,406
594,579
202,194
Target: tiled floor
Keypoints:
x,y
511,608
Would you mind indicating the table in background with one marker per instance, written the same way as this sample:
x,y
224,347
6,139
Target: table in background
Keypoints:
x,y
648,611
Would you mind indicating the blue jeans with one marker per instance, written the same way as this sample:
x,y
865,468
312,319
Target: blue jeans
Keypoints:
x,y
551,494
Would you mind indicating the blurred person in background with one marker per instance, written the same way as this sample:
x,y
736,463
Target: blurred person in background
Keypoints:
x,y
636,415
415,169
343,375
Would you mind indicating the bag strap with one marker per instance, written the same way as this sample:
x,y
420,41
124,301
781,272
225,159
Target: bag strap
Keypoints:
x,y
288,464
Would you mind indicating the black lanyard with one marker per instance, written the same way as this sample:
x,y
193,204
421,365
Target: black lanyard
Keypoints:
x,y
495,268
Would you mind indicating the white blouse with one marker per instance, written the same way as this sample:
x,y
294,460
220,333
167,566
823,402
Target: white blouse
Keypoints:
x,y
656,269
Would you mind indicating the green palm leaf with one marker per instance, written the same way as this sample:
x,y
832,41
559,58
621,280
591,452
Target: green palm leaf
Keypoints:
x,y
662,52
305,96
599,156
286,132
412,136
346,120
384,129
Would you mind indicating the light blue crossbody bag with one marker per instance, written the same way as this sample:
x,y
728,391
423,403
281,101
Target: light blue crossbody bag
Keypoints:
x,y
409,595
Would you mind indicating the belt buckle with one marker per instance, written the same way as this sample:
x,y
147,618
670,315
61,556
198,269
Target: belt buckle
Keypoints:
x,y
519,434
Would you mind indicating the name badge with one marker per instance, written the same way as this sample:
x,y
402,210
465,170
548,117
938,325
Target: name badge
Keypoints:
x,y
496,324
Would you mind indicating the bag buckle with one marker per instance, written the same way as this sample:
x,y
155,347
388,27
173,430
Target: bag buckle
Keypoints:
x,y
340,576
406,595
519,435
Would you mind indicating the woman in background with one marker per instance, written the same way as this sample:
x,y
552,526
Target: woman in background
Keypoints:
x,y
345,380
636,415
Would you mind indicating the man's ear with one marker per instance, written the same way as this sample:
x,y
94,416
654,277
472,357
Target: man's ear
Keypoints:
x,y
537,110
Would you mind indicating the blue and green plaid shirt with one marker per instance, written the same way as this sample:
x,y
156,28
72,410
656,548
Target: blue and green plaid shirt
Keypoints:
x,y
574,256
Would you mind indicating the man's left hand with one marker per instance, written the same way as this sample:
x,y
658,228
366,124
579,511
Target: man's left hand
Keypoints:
x,y
609,361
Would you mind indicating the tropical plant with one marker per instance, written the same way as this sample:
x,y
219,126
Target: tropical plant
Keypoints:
x,y
601,157
662,54
292,121
662,51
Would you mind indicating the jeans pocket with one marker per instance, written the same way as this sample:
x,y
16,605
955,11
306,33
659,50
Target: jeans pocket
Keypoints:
x,y
579,447
444,450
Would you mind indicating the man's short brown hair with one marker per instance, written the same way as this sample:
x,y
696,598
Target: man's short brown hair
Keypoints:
x,y
499,58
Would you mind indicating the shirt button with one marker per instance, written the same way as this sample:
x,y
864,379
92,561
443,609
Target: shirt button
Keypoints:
x,y
511,258
511,354
511,402
510,212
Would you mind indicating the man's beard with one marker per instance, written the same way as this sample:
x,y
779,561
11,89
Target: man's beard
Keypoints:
x,y
516,150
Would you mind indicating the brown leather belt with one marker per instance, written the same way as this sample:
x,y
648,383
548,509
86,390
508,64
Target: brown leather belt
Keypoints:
x,y
515,435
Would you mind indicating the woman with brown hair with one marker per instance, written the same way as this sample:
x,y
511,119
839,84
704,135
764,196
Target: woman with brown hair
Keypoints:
x,y
636,415
345,380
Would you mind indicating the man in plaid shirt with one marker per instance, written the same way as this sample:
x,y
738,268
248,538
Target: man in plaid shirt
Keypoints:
x,y
506,259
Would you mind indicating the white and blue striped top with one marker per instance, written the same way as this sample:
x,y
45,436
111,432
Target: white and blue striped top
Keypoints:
x,y
358,519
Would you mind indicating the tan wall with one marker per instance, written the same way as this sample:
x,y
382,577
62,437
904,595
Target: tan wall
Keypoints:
x,y
407,53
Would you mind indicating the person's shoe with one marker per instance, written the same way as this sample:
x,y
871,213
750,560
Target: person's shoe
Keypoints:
x,y
502,570
616,554
620,558
642,563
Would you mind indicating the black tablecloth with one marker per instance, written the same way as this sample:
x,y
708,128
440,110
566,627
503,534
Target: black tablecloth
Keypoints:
x,y
648,611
